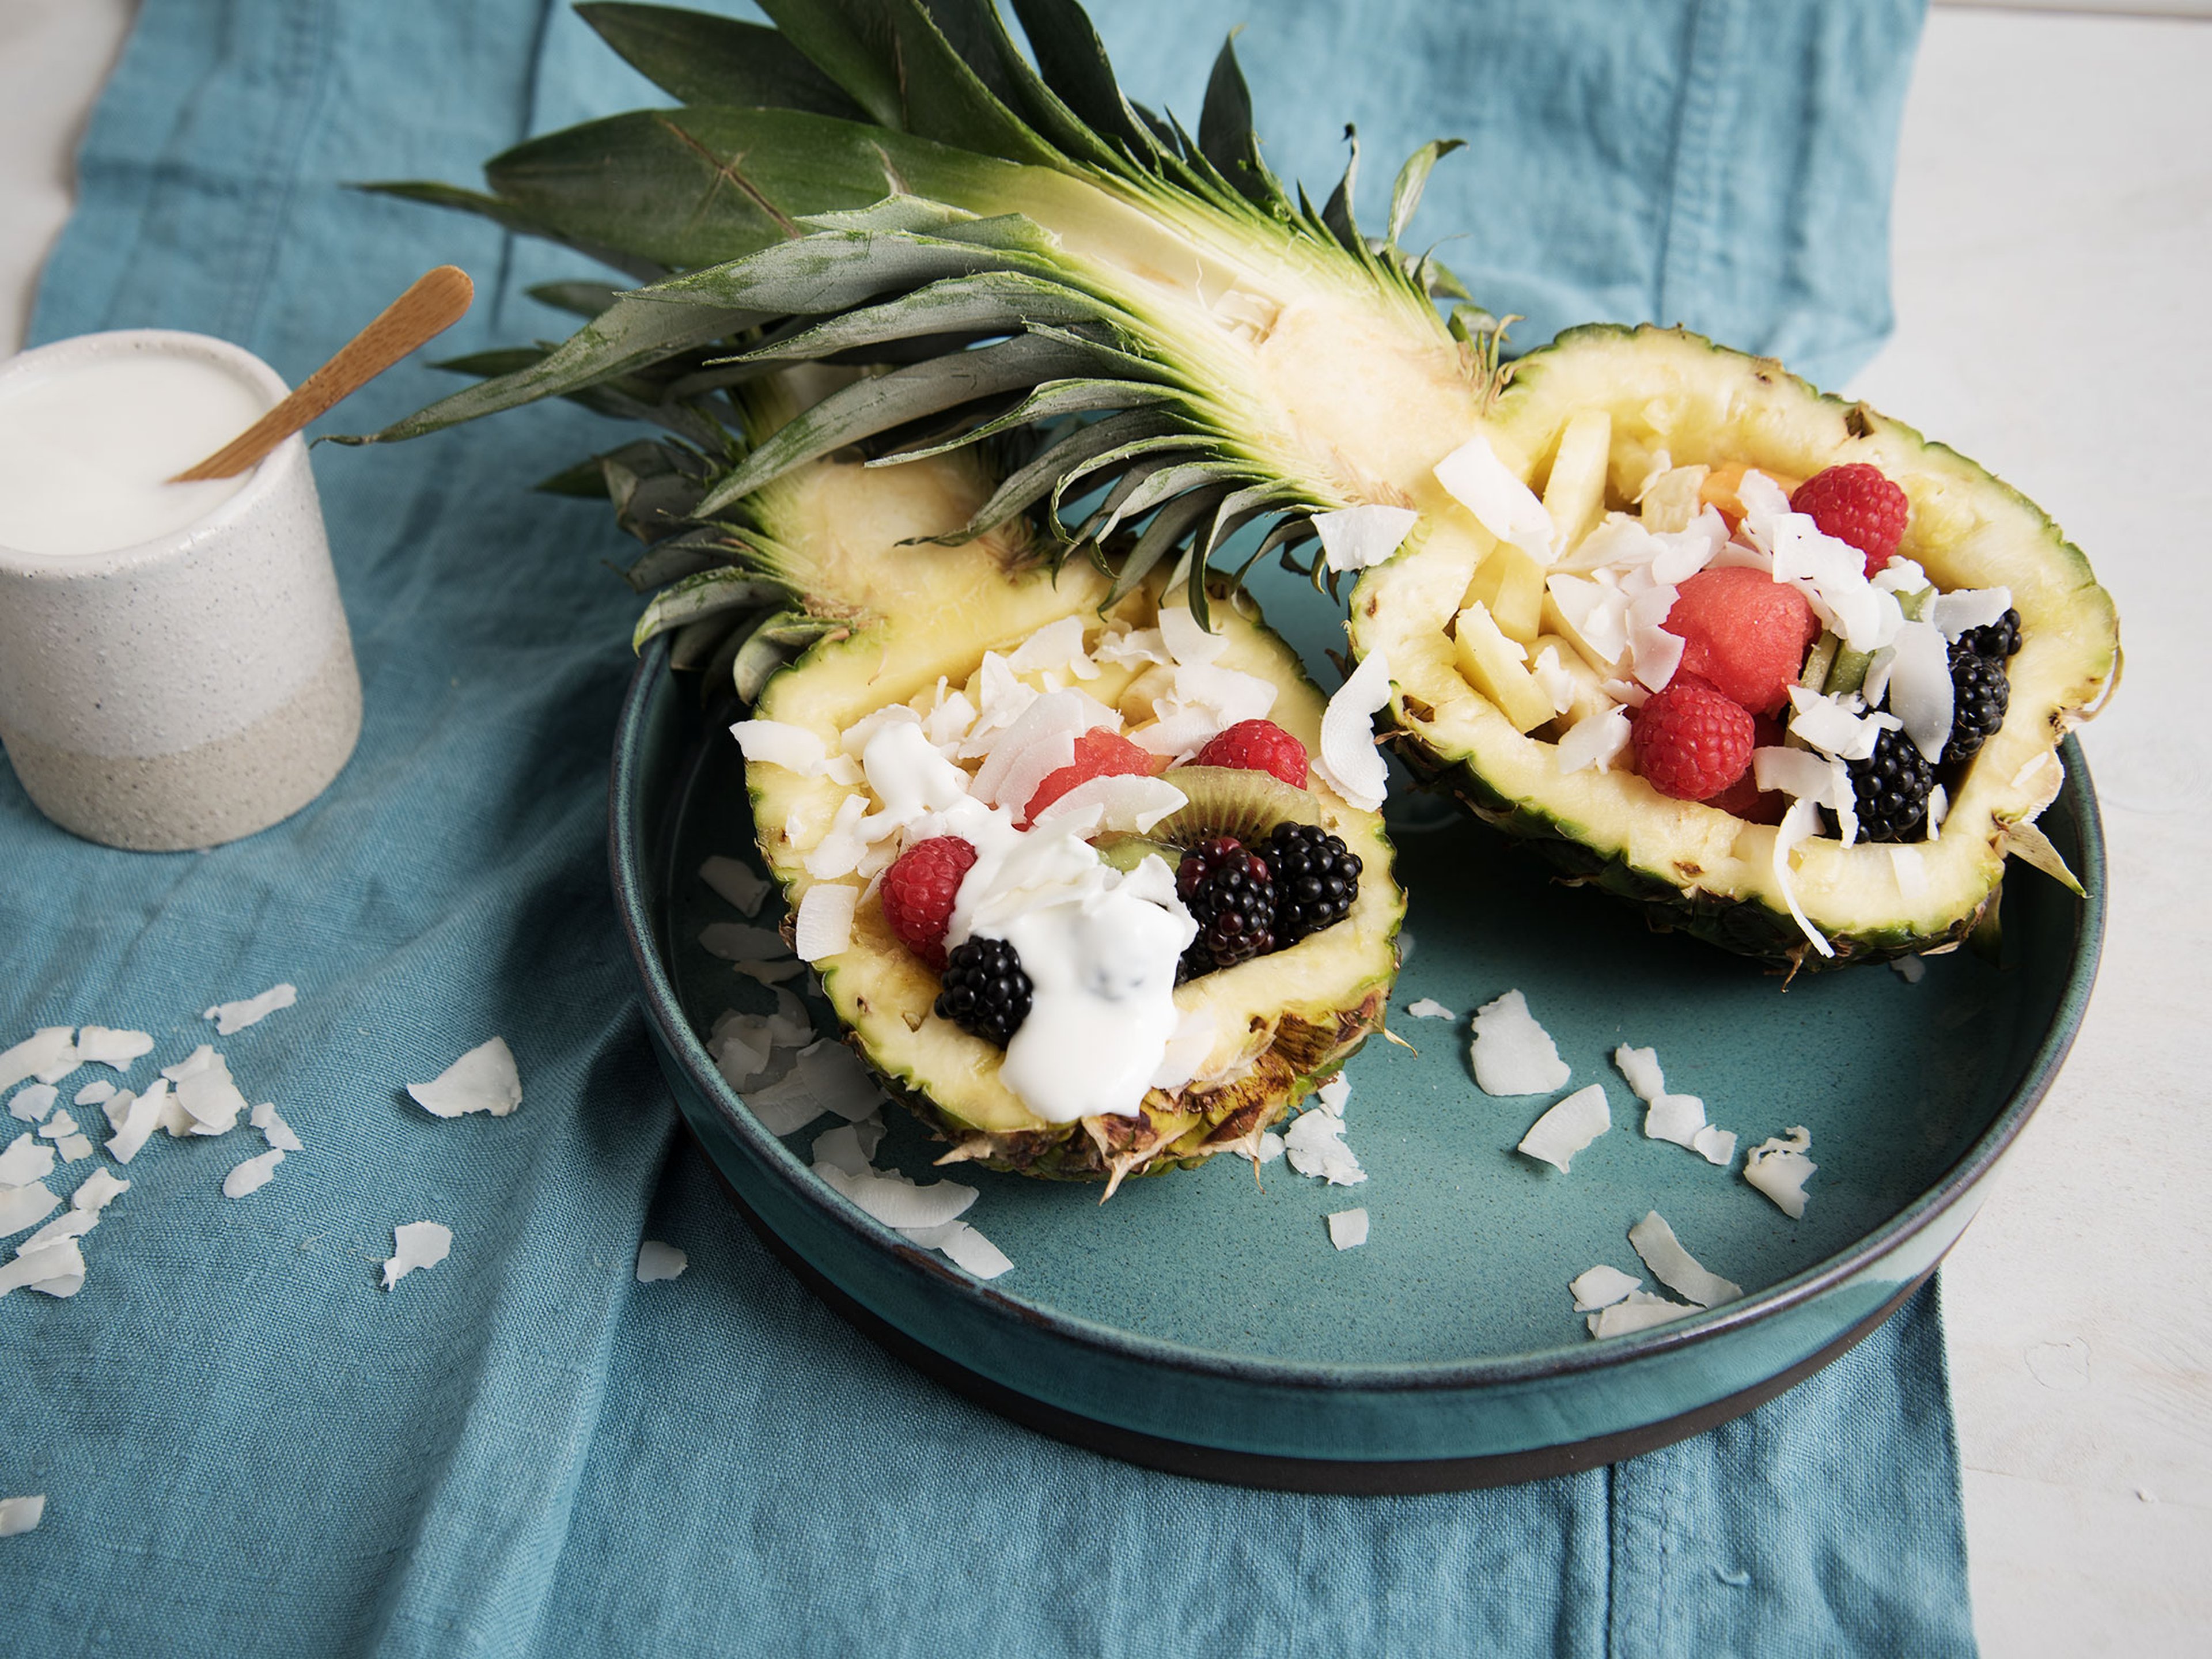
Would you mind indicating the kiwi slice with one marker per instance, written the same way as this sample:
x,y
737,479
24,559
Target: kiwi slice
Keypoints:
x,y
1126,853
1228,800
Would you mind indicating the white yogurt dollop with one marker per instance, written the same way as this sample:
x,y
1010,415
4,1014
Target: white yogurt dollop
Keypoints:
x,y
85,448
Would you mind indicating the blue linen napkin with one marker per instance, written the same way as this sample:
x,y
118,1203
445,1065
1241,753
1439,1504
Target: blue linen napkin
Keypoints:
x,y
247,1447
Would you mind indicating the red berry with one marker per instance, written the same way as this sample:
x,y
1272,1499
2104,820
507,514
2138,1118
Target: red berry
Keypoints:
x,y
1744,798
1744,634
1256,746
1691,742
919,890
1855,503
1098,754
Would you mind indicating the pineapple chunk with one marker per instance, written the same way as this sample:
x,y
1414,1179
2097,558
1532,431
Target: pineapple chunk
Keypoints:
x,y
1590,697
1509,586
1497,667
1721,484
1556,626
1575,493
1675,497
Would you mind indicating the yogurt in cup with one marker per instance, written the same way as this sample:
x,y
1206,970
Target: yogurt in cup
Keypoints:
x,y
175,668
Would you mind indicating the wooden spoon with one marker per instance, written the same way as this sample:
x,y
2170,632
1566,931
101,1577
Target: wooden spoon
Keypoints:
x,y
432,305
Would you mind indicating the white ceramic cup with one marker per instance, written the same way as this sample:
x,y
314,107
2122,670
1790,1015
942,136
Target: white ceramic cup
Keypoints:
x,y
194,687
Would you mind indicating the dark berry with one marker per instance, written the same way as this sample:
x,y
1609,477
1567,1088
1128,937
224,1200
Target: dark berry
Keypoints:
x,y
1316,879
986,992
1230,893
1891,787
2000,640
1979,695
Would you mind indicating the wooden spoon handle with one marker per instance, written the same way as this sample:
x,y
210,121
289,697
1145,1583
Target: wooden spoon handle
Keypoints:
x,y
434,304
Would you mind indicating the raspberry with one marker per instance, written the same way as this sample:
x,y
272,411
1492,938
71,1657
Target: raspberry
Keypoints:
x,y
1691,742
986,992
1230,893
1743,634
918,892
1098,754
1855,503
1257,746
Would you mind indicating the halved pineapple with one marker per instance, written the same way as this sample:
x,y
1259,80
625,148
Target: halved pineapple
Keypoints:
x,y
1690,865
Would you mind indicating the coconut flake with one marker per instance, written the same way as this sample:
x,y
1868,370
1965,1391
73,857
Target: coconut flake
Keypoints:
x,y
97,1191
838,1079
24,1161
1838,731
1798,825
1347,1229
134,1117
1316,1144
1335,1094
1186,641
1638,1311
60,1124
1641,1067
1501,504
1715,1146
1511,1053
1601,1287
484,1079
19,1514
736,881
738,941
1430,1008
970,1250
92,1094
1187,1048
69,1224
778,742
1920,690
1911,970
274,1130
56,1269
416,1244
657,1261
1056,646
211,1099
1678,1118
253,1175
48,1053
1675,1267
1357,537
824,927
1349,761
1131,804
897,1202
1964,608
1779,1168
1656,654
20,1207
232,1016
1568,1128
34,1103
1594,740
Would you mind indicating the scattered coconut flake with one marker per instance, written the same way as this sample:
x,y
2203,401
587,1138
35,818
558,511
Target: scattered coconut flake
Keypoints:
x,y
210,1099
1316,1144
657,1261
1911,970
141,1117
1641,1067
19,1514
736,881
824,927
839,1080
274,1130
1124,646
1569,1126
1347,1229
24,1161
1056,646
1349,762
1654,654
20,1207
1920,690
1355,537
416,1244
116,1108
93,1093
897,1202
1638,1311
1779,1167
1130,803
1601,1287
786,1106
1594,740
1675,1267
1715,1146
842,1148
1334,1094
739,1056
69,1224
484,1079
34,1103
56,1269
738,941
253,1175
1191,1041
1180,631
1512,1055
969,1250
778,742
60,1124
97,1190
1271,1147
48,1049
230,1017
1678,1118
790,1026
1504,506
1430,1008
74,1147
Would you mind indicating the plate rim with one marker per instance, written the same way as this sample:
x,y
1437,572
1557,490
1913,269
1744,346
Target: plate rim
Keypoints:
x,y
652,677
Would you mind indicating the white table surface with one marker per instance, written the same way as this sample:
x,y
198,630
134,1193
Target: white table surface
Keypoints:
x,y
2053,270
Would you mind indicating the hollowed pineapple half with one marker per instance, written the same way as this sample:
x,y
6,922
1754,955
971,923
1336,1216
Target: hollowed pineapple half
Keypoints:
x,y
1282,1023
1692,866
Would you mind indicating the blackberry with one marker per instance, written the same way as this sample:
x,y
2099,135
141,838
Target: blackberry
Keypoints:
x,y
1316,879
2000,640
1891,787
1230,892
1979,695
986,992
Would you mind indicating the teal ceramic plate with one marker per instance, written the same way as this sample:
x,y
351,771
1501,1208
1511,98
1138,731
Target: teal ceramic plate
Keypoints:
x,y
1202,1321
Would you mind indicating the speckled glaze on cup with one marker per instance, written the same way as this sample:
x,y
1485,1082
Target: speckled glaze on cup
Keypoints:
x,y
192,689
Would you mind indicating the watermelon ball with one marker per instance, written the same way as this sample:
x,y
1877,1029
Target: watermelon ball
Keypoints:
x,y
1744,634
1691,742
1098,754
